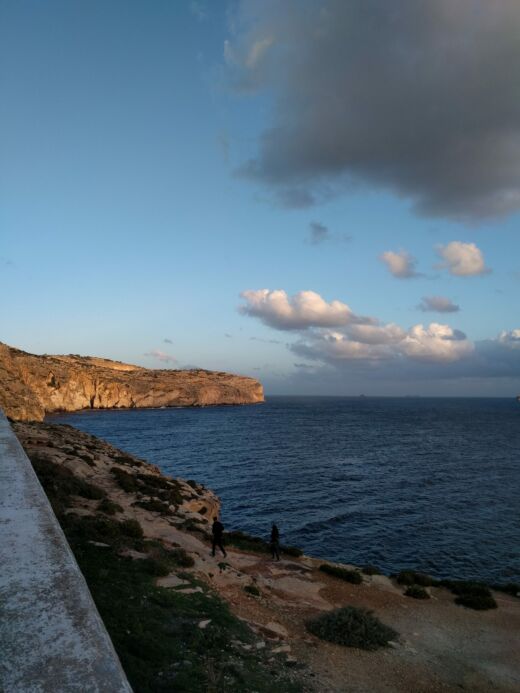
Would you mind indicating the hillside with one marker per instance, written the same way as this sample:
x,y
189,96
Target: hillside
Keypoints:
x,y
181,619
32,386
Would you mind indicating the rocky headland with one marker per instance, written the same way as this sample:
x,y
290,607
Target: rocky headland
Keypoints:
x,y
181,619
32,386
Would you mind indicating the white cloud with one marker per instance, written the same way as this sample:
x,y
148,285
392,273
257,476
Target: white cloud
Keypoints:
x,y
304,309
462,259
439,343
510,339
400,264
437,304
354,337
161,356
434,344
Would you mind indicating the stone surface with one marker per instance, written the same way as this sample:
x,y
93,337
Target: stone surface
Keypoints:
x,y
51,636
32,386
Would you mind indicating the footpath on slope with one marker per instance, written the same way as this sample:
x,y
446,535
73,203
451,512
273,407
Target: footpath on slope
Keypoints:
x,y
441,646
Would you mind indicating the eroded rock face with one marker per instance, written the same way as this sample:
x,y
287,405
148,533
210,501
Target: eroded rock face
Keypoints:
x,y
32,386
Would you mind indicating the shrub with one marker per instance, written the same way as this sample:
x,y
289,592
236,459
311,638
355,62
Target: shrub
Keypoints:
x,y
370,570
473,595
131,528
155,567
352,576
252,589
417,592
181,558
60,483
351,627
512,588
291,551
128,482
411,577
154,505
109,507
475,601
473,589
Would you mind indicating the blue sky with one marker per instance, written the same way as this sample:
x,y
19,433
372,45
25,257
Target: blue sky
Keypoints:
x,y
127,218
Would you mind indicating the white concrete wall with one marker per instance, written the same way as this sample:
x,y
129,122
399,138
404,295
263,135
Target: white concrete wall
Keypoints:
x,y
51,635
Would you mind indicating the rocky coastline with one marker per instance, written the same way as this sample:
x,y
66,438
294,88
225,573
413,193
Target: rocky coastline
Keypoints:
x,y
32,386
181,619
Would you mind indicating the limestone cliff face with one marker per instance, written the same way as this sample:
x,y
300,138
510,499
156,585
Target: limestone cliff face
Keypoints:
x,y
32,386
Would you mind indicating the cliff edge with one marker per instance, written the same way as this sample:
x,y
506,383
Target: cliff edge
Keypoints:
x,y
32,386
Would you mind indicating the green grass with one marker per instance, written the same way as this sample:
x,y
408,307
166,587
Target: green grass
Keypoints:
x,y
156,635
351,627
352,576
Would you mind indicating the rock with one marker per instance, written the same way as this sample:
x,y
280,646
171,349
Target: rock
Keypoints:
x,y
204,624
281,648
190,590
31,386
276,628
171,581
98,543
260,645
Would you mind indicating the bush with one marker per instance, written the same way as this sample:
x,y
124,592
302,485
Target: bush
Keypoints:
x,y
181,558
291,551
478,602
60,483
252,589
411,577
128,482
473,589
352,576
351,627
370,570
154,505
131,528
512,588
417,592
109,507
155,567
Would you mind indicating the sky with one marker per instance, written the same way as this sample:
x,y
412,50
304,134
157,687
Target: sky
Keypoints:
x,y
322,194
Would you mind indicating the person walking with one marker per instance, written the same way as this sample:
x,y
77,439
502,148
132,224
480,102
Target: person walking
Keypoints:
x,y
275,542
218,533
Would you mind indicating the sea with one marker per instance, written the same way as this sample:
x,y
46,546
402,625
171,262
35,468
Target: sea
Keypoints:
x,y
425,483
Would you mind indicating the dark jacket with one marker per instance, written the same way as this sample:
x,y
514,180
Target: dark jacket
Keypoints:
x,y
218,529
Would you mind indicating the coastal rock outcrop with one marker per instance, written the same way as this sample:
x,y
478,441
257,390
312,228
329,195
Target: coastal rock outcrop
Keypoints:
x,y
32,386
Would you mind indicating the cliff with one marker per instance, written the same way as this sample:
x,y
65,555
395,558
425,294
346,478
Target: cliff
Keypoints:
x,y
32,386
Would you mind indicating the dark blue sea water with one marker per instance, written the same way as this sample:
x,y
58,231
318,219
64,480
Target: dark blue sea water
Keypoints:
x,y
432,484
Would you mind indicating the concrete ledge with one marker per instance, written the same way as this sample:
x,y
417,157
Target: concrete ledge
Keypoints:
x,y
51,635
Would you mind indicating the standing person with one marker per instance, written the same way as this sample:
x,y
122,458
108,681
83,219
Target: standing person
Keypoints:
x,y
275,542
218,531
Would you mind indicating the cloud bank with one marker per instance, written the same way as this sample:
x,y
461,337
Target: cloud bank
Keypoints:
x,y
418,98
331,335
